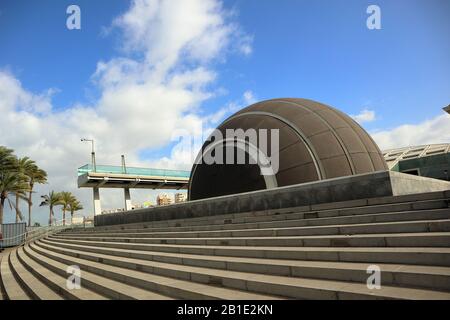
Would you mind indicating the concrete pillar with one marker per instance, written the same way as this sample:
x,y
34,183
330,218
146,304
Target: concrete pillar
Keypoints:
x,y
97,204
127,194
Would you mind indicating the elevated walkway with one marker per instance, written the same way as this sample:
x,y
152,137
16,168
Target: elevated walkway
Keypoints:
x,y
130,177
126,178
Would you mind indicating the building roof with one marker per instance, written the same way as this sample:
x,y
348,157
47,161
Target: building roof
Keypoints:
x,y
393,156
447,109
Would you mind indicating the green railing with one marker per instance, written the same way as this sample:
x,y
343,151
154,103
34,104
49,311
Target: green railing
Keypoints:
x,y
134,171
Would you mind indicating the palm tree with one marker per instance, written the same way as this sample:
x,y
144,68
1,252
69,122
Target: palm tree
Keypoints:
x,y
11,184
66,198
24,167
75,205
35,175
51,200
7,159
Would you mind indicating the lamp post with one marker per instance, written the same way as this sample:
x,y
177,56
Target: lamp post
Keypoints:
x,y
94,165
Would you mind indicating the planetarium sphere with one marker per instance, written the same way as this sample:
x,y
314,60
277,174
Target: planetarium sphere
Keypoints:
x,y
316,142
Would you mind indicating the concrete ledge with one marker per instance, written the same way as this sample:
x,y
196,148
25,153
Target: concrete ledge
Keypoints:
x,y
409,184
363,186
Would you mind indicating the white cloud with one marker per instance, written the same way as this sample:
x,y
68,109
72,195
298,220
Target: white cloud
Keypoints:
x,y
189,142
435,130
167,31
365,115
14,96
249,97
157,87
245,45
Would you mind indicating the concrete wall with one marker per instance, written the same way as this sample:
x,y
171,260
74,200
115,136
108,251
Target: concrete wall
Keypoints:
x,y
407,184
363,186
433,166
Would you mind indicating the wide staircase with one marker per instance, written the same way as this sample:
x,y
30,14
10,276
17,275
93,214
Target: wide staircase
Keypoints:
x,y
312,252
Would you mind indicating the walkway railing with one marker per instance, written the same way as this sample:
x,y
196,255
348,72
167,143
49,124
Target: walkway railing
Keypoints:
x,y
38,233
134,171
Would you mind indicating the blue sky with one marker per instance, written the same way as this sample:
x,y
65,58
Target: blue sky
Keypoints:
x,y
316,49
320,50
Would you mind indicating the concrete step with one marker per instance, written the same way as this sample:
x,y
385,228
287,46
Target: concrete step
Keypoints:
x,y
98,284
13,290
345,212
298,288
310,252
354,207
348,229
324,210
2,290
403,255
426,239
410,197
56,282
183,289
437,214
2,295
392,274
36,289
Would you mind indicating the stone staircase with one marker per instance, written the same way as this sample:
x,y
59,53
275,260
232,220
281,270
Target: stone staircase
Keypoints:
x,y
312,252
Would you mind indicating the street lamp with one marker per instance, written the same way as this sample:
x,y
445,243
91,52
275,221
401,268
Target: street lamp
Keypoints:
x,y
94,165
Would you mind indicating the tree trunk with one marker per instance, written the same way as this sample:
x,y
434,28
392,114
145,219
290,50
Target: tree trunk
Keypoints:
x,y
2,203
64,216
50,217
71,217
30,203
17,209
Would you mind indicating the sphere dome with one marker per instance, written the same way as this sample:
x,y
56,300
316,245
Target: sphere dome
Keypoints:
x,y
316,142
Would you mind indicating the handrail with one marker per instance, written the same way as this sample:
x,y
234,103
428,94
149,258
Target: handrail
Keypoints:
x,y
134,171
36,233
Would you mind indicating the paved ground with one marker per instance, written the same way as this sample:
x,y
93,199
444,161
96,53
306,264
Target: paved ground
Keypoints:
x,y
3,253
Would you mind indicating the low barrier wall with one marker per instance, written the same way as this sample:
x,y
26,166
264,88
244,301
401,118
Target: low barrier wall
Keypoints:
x,y
363,186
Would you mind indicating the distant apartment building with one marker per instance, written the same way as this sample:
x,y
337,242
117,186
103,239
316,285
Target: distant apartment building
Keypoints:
x,y
133,207
163,199
147,204
137,206
180,197
106,211
78,219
